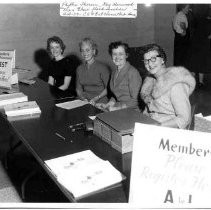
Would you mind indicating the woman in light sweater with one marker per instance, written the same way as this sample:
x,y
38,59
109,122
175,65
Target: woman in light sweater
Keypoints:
x,y
166,92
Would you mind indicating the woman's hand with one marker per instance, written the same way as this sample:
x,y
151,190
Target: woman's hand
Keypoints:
x,y
113,108
94,100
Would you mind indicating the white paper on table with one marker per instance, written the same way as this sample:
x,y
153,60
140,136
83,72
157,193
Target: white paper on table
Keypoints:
x,y
208,117
84,172
72,104
14,79
90,178
199,115
71,162
92,117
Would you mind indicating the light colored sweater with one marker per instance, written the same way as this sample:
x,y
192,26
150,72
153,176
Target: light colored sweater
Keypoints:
x,y
168,97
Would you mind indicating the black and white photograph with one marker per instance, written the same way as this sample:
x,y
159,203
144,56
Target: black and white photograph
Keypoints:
x,y
105,104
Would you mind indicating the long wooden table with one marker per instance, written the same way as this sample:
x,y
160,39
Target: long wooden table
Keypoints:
x,y
39,136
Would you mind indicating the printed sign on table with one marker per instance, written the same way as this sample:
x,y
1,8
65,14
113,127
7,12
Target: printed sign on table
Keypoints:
x,y
5,72
8,54
170,168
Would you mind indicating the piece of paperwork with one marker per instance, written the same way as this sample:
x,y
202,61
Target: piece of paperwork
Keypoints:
x,y
93,8
92,117
205,117
170,168
22,108
72,104
12,98
83,173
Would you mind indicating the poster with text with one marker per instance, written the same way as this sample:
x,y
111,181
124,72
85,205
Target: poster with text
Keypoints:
x,y
8,54
5,72
170,168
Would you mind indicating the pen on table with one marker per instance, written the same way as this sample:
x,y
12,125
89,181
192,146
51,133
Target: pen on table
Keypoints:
x,y
71,126
62,137
77,128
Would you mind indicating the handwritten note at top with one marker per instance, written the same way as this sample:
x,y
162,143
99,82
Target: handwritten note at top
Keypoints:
x,y
93,8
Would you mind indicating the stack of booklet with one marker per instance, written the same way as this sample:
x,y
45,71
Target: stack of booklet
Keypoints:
x,y
84,173
22,110
12,98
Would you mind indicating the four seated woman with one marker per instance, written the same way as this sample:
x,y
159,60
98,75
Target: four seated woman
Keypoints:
x,y
125,81
166,93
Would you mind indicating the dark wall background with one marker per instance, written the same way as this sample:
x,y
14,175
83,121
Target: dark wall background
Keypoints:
x,y
26,27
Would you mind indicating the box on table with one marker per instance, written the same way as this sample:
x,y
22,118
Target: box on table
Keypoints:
x,y
116,127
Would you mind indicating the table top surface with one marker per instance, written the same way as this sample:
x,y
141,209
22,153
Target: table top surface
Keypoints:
x,y
39,136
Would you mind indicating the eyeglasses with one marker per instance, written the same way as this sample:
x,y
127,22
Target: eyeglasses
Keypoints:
x,y
152,59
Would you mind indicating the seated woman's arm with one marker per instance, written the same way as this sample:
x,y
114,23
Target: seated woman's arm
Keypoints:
x,y
104,75
134,85
109,106
79,87
146,90
50,80
79,91
180,101
67,80
101,95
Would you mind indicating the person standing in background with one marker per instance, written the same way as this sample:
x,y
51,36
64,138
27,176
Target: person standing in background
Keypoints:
x,y
199,58
182,35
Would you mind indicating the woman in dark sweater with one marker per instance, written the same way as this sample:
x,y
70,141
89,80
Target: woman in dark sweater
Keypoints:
x,y
60,70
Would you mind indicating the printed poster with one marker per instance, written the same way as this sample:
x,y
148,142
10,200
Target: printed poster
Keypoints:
x,y
5,72
171,168
8,54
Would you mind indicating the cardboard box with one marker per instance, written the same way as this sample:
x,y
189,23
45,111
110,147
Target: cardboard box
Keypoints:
x,y
116,127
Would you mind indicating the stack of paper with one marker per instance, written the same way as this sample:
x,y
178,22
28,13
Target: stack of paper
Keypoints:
x,y
84,173
72,104
12,98
23,109
29,107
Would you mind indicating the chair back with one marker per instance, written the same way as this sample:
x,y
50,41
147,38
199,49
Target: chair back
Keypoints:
x,y
190,126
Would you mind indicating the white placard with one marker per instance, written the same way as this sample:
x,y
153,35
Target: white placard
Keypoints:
x,y
93,8
5,72
170,168
8,54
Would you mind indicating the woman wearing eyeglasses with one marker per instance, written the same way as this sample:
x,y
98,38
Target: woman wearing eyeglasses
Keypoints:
x,y
125,80
166,93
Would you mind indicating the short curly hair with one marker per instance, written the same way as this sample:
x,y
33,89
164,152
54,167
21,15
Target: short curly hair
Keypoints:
x,y
91,42
155,47
55,39
115,45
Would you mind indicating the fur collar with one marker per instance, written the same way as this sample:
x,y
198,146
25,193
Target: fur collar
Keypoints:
x,y
172,76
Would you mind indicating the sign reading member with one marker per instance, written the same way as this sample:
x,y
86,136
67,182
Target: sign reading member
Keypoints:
x,y
170,168
5,72
93,8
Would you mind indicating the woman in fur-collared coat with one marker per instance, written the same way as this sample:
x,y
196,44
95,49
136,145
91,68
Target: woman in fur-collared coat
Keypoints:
x,y
166,93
